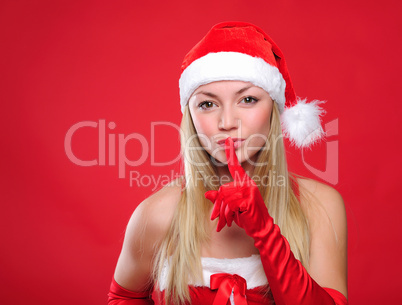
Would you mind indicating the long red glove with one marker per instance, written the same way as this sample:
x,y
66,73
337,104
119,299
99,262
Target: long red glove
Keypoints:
x,y
121,296
241,201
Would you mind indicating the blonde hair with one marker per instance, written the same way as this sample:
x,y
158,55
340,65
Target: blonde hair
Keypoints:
x,y
181,246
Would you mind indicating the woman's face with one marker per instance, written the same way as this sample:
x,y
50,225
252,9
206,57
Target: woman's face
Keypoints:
x,y
233,109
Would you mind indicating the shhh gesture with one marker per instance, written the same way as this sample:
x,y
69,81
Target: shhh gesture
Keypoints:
x,y
239,201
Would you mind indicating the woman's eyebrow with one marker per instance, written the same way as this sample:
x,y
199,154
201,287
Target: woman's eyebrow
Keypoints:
x,y
210,94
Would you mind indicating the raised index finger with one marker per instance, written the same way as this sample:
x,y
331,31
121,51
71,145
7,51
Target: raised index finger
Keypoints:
x,y
234,166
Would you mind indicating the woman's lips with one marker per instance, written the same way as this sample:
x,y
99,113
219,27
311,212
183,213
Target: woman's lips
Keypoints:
x,y
236,142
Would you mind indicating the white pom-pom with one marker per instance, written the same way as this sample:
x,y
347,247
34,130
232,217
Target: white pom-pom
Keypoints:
x,y
302,124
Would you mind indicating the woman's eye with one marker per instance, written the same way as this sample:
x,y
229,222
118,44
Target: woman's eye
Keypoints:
x,y
249,100
206,105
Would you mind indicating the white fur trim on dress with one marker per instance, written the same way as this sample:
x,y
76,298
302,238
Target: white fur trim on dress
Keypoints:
x,y
250,268
232,66
301,123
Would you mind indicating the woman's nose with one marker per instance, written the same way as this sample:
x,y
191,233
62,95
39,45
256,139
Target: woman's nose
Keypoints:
x,y
228,119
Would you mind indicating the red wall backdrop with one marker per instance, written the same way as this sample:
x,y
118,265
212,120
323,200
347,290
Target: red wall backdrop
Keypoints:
x,y
66,62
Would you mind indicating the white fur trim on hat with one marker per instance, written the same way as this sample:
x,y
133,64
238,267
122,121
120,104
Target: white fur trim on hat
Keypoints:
x,y
232,66
301,123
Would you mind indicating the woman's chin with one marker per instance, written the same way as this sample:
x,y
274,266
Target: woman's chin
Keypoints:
x,y
219,159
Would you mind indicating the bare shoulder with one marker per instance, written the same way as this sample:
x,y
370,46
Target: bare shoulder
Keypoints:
x,y
325,210
154,215
146,229
318,197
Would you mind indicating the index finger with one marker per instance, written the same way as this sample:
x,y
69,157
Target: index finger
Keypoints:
x,y
234,166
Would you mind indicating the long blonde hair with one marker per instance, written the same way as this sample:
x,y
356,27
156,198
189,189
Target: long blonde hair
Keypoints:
x,y
181,246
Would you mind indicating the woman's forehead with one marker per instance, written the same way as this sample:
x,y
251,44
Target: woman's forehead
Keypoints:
x,y
225,86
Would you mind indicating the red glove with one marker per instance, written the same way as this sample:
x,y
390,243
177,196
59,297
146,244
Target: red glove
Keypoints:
x,y
242,202
121,296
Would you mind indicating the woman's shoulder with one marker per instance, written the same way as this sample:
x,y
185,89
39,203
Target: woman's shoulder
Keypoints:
x,y
154,214
146,229
321,201
318,192
165,199
325,210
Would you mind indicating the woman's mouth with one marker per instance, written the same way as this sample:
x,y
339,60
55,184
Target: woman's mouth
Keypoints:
x,y
237,142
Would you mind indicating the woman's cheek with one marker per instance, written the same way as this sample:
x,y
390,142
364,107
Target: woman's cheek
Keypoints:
x,y
252,148
205,142
205,133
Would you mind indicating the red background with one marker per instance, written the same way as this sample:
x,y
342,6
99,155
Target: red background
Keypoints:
x,y
64,62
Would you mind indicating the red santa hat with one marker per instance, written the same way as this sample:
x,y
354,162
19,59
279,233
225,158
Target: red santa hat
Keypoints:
x,y
242,51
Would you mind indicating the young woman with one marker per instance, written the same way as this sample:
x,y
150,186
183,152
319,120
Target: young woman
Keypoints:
x,y
237,228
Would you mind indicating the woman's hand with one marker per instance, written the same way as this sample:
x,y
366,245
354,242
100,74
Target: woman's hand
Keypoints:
x,y
239,201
